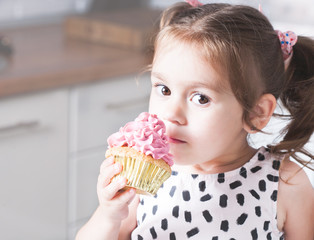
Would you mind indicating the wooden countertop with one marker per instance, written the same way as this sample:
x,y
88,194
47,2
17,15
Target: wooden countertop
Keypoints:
x,y
44,58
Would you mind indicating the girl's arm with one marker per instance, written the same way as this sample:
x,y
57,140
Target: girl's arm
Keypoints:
x,y
113,205
98,228
295,203
130,223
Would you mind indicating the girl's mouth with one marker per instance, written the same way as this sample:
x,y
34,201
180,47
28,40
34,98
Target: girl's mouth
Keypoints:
x,y
176,141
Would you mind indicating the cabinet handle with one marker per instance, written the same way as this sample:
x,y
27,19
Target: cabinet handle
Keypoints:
x,y
19,125
127,103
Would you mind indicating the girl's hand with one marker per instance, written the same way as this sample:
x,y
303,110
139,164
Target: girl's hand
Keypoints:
x,y
113,204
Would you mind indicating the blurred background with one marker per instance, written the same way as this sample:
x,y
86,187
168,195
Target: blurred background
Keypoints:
x,y
70,75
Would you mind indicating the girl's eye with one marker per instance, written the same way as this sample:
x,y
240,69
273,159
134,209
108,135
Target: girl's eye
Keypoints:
x,y
200,99
163,90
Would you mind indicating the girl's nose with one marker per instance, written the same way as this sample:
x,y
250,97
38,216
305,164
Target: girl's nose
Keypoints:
x,y
175,113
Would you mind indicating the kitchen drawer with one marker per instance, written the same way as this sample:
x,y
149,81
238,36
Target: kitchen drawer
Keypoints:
x,y
33,166
100,109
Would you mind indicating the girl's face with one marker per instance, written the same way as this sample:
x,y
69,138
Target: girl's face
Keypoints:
x,y
203,120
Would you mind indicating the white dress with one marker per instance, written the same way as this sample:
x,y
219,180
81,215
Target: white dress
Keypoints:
x,y
240,204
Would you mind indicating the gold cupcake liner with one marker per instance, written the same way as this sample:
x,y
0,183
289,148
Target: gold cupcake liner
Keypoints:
x,y
145,177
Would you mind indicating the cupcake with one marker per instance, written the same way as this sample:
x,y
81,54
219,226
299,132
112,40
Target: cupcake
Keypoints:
x,y
142,148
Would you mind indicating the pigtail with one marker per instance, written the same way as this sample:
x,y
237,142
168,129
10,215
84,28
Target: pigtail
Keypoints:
x,y
298,98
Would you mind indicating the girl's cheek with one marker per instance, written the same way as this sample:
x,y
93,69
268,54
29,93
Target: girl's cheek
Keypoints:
x,y
154,106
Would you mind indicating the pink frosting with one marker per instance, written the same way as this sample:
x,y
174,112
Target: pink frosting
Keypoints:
x,y
147,135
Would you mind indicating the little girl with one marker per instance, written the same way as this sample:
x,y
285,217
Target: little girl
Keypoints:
x,y
217,73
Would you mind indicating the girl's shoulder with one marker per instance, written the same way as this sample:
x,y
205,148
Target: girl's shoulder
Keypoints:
x,y
295,202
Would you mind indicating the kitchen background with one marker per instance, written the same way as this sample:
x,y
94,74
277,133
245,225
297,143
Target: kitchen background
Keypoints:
x,y
64,88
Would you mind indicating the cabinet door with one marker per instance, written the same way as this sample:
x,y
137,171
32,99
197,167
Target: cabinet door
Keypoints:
x,y
83,196
33,166
97,111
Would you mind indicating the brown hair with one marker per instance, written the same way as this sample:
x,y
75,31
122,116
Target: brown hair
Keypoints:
x,y
240,41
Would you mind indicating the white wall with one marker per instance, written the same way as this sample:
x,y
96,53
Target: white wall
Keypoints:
x,y
19,10
291,11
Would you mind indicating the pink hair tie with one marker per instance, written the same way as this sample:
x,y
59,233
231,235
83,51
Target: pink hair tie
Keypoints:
x,y
287,40
194,3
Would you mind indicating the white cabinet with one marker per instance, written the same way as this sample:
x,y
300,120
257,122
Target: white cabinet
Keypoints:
x,y
100,108
33,166
96,111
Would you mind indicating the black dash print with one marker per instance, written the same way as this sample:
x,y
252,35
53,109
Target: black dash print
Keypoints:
x,y
172,236
269,236
186,195
262,185
223,201
272,178
266,225
202,186
235,184
194,176
258,211
173,189
242,219
153,233
224,226
164,224
207,216
175,211
240,199
155,209
274,196
243,172
139,237
143,217
261,157
254,234
256,169
254,194
174,173
276,164
221,177
215,238
188,216
206,198
192,232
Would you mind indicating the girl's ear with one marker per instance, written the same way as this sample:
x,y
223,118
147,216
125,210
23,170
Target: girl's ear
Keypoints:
x,y
261,113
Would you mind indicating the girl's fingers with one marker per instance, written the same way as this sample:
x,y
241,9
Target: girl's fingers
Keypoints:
x,y
126,197
112,189
107,172
107,162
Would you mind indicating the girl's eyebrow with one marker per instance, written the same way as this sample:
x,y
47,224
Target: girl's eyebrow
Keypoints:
x,y
159,76
213,85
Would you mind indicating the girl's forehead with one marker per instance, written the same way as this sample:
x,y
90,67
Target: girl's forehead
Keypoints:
x,y
188,60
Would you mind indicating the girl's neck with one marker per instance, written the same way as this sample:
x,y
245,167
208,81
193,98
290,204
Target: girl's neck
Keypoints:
x,y
219,165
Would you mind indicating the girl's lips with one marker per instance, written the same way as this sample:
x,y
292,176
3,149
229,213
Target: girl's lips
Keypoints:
x,y
174,140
